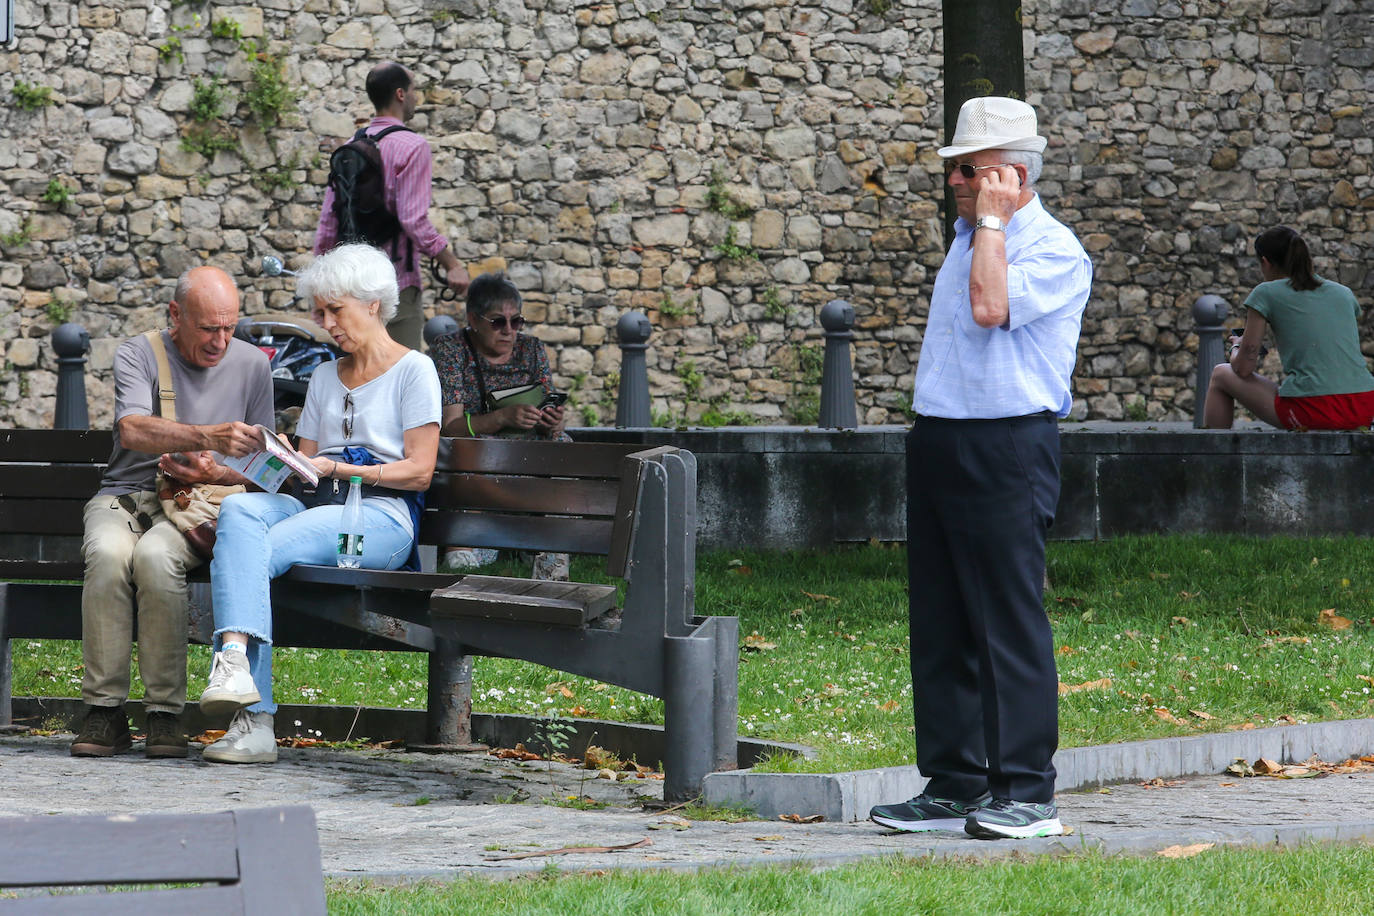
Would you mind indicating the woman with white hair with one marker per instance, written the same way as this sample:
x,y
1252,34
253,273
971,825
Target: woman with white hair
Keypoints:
x,y
373,414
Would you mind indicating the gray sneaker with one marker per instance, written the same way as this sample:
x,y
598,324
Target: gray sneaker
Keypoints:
x,y
926,812
1005,818
251,738
231,685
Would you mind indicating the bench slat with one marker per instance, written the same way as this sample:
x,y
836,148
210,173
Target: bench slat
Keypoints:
x,y
42,569
371,578
42,516
527,600
517,532
49,445
76,483
522,494
83,849
532,457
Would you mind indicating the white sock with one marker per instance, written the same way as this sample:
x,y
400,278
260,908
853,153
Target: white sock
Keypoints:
x,y
235,645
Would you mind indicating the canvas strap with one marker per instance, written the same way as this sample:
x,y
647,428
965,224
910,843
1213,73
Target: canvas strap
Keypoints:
x,y
167,397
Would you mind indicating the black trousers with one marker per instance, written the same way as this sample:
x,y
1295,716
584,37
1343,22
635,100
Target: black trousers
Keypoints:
x,y
981,496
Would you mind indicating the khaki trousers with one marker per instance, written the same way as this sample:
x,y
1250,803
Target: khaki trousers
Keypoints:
x,y
128,567
408,326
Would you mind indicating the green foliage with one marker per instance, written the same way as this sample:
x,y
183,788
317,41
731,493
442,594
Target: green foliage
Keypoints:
x,y
748,340
171,50
1137,410
718,199
58,310
576,802
691,378
281,177
665,419
30,97
207,99
207,141
441,18
879,7
699,810
227,28
268,96
773,306
56,193
668,308
591,416
806,395
716,415
20,237
729,248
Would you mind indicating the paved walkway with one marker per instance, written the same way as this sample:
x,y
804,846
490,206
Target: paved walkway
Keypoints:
x,y
403,815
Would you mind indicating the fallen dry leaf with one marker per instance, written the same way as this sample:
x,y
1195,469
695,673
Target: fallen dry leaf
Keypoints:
x,y
756,643
1184,852
817,597
1101,683
1161,783
1200,714
1366,678
209,736
1162,712
514,753
1066,650
802,818
1264,766
889,706
769,838
1329,618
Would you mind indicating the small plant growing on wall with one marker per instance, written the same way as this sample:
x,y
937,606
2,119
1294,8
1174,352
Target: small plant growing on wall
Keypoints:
x,y
28,97
56,193
718,199
269,96
732,250
18,238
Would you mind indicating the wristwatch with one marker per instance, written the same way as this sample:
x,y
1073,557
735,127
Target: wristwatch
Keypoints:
x,y
990,222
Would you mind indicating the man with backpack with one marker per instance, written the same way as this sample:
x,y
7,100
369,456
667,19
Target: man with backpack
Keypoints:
x,y
379,193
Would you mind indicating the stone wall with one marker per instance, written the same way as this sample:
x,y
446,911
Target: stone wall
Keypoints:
x,y
726,166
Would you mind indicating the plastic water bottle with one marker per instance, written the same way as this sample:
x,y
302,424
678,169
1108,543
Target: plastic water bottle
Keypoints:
x,y
351,528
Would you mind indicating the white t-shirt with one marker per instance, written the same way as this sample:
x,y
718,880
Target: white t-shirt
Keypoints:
x,y
401,398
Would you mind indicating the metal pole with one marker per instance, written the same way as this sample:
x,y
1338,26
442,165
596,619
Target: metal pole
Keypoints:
x,y
71,343
632,406
1210,314
837,376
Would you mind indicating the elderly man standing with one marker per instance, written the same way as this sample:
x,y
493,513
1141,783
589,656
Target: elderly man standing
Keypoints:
x,y
982,486
136,559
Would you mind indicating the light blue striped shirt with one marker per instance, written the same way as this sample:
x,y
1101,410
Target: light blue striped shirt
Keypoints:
x,y
1023,367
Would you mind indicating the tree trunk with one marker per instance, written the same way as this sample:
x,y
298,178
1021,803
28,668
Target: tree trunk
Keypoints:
x,y
983,56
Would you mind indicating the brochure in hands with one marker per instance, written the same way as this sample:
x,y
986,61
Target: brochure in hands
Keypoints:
x,y
533,395
276,461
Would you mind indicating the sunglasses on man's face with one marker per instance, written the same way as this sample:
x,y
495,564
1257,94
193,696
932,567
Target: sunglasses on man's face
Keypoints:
x,y
971,171
499,322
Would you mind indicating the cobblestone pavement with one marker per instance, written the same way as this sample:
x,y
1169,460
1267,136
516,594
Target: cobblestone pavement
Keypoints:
x,y
396,814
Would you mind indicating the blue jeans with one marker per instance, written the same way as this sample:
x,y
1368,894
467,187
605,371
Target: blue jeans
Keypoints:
x,y
262,535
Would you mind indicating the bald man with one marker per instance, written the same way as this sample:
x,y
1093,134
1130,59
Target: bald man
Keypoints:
x,y
136,559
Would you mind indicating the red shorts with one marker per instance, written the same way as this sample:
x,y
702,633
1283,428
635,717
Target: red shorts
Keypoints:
x,y
1326,411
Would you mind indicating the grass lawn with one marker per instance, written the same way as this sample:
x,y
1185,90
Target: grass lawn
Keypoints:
x,y
1155,636
1310,880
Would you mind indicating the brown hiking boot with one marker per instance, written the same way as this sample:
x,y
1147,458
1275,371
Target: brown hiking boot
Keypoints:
x,y
104,733
165,736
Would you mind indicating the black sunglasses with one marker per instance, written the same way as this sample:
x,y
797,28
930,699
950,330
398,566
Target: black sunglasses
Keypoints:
x,y
970,171
348,415
499,322
145,521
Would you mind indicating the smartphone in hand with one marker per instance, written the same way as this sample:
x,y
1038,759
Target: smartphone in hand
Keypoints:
x,y
554,399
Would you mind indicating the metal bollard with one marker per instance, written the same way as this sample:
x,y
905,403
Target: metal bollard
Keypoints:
x,y
1210,314
71,343
632,405
837,375
439,326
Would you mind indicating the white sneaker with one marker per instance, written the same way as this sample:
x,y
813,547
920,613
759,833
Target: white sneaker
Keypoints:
x,y
251,738
231,685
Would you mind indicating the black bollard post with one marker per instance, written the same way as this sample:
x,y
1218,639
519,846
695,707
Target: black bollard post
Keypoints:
x,y
632,405
1210,314
71,343
837,376
439,326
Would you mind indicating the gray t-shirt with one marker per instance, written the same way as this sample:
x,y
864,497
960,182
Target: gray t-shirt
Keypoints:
x,y
239,387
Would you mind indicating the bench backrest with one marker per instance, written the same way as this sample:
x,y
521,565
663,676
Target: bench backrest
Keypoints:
x,y
251,861
503,493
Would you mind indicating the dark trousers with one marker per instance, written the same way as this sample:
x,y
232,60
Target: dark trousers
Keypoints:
x,y
981,496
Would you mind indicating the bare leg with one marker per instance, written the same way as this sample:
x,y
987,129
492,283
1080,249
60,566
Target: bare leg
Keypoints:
x,y
1255,393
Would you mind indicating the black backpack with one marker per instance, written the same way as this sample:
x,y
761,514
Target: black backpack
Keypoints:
x,y
357,176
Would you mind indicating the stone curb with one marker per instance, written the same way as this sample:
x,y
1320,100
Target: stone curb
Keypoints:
x,y
845,797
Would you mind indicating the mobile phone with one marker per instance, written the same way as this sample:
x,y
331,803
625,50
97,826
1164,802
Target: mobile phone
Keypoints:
x,y
554,399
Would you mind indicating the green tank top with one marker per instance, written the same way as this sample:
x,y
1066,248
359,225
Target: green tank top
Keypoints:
x,y
1318,337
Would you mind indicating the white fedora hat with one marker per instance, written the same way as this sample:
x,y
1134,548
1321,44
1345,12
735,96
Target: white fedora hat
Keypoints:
x,y
993,122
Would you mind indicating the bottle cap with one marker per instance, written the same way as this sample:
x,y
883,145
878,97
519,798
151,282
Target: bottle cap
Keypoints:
x,y
355,479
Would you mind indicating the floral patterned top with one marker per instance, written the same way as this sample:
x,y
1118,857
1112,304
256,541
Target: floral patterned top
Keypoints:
x,y
528,364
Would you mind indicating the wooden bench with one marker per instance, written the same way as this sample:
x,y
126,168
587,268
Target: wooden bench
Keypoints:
x,y
638,509
255,861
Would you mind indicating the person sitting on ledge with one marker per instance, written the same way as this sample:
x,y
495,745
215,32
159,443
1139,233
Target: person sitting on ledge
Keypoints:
x,y
1326,383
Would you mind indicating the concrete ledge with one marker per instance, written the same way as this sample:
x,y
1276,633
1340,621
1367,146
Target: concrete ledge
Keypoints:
x,y
848,796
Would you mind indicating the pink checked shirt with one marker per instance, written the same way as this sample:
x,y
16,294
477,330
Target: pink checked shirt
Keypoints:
x,y
406,158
